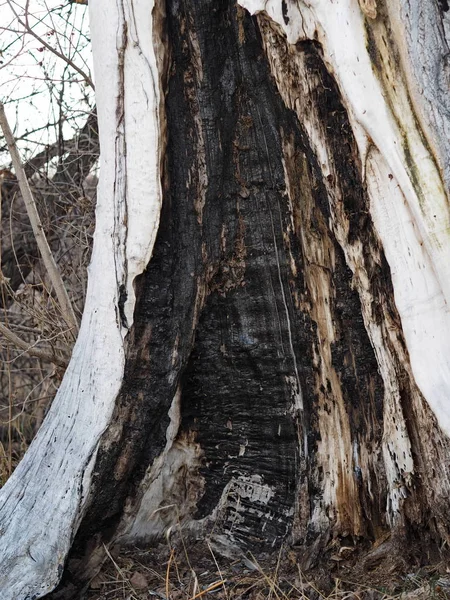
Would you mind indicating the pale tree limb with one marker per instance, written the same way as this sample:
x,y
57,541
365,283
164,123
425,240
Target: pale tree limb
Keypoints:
x,y
43,502
36,224
30,349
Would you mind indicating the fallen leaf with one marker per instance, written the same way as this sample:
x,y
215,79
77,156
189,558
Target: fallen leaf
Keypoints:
x,y
138,581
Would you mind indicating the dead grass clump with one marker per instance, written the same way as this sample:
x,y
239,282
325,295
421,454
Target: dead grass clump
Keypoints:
x,y
196,572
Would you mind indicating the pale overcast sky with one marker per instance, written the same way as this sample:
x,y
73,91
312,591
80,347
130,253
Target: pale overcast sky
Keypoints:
x,y
36,86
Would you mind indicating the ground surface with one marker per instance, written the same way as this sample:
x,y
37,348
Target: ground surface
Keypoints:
x,y
194,571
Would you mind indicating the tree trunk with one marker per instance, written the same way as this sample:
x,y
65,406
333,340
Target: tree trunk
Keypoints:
x,y
278,371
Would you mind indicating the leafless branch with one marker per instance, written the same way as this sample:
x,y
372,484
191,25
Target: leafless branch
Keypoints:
x,y
30,349
25,24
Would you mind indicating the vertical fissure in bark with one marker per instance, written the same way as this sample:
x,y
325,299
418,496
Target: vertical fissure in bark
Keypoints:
x,y
306,86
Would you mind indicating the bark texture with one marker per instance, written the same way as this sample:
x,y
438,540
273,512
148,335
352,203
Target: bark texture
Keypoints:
x,y
268,393
286,360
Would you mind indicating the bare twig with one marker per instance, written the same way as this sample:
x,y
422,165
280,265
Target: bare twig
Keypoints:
x,y
31,349
210,588
25,24
47,256
172,554
119,570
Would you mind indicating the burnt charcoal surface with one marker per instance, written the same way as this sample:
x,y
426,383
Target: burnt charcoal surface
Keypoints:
x,y
222,309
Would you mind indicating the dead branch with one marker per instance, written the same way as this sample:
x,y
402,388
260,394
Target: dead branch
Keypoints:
x,y
30,30
44,248
31,349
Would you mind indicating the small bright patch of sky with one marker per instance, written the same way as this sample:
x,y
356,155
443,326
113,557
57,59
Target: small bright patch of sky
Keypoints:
x,y
46,98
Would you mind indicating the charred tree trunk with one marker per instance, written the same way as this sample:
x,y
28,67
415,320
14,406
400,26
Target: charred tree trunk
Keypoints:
x,y
282,372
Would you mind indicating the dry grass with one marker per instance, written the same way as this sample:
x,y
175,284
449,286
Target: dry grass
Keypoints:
x,y
196,572
30,310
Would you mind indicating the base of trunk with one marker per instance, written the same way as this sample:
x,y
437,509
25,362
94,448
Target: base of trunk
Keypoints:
x,y
183,566
268,398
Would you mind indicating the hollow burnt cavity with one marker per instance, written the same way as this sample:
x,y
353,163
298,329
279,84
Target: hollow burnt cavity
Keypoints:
x,y
249,320
229,253
251,387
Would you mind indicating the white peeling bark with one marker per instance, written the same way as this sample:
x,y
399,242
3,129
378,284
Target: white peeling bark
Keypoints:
x,y
409,200
42,503
171,488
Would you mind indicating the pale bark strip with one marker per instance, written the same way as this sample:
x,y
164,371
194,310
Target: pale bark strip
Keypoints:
x,y
381,115
423,33
42,504
38,230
